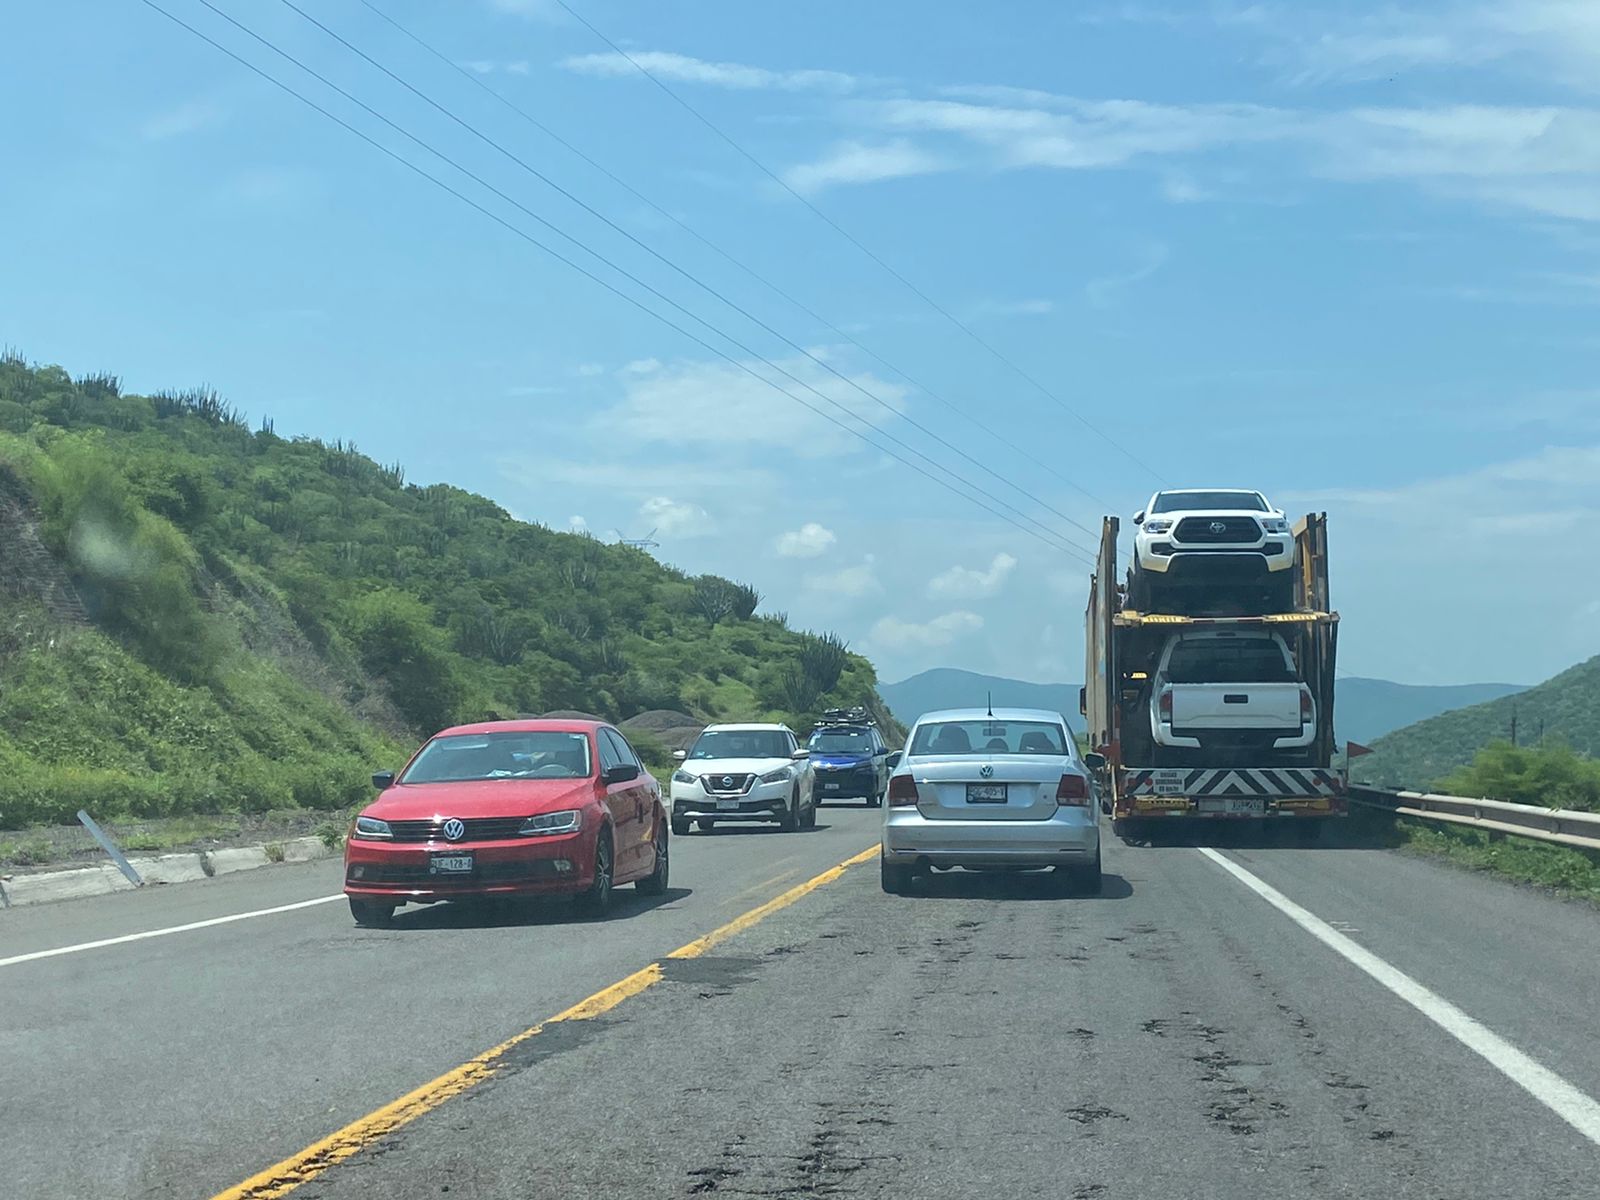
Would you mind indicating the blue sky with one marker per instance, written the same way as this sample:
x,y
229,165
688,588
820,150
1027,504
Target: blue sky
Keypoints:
x,y
1346,254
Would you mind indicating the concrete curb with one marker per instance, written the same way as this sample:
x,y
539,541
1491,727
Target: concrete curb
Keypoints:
x,y
74,883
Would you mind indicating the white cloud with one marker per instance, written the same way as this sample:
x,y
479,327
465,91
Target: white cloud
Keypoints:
x,y
676,518
680,68
480,66
860,162
850,582
809,541
193,116
893,634
588,370
1107,290
642,366
965,583
577,524
711,408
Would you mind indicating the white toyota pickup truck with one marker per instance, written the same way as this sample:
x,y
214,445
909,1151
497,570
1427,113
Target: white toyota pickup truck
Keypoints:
x,y
1230,694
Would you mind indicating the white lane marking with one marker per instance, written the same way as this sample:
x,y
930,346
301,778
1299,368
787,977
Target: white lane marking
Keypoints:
x,y
171,929
1574,1107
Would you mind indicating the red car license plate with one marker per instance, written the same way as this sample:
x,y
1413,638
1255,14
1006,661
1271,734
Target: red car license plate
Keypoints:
x,y
451,864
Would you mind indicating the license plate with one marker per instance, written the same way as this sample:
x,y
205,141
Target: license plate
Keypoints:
x,y
1244,806
451,864
729,804
986,793
831,787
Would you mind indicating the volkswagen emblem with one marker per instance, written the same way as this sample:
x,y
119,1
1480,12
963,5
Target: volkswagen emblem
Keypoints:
x,y
727,782
986,771
454,829
1218,527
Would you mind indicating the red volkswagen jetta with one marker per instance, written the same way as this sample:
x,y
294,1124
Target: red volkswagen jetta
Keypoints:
x,y
509,808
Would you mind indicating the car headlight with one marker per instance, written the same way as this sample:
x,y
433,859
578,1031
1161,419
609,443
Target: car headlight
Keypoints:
x,y
1158,525
547,823
684,777
1275,525
781,775
372,828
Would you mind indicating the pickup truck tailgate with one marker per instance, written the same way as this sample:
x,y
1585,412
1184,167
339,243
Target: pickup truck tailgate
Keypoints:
x,y
1236,705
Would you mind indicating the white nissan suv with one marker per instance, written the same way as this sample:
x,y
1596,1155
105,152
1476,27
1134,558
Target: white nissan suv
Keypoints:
x,y
1213,538
743,773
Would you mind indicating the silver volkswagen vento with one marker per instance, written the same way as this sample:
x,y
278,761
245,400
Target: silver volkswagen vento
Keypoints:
x,y
981,789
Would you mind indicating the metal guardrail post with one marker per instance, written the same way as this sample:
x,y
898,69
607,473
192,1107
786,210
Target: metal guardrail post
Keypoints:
x,y
110,848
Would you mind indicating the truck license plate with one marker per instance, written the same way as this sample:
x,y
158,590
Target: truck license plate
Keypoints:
x,y
986,793
451,864
1244,806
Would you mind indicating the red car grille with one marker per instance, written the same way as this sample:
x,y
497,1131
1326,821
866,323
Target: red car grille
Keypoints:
x,y
478,829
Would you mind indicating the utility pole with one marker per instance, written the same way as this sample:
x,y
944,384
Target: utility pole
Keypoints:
x,y
1513,726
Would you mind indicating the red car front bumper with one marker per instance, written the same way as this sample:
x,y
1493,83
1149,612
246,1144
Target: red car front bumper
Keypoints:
x,y
540,866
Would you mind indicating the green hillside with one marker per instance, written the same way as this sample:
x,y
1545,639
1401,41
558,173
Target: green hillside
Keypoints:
x,y
949,687
1565,708
200,616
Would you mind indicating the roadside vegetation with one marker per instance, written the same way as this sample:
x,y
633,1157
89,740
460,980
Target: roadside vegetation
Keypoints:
x,y
1564,710
1553,776
198,616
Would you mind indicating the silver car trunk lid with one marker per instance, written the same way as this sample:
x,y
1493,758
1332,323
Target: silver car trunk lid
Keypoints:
x,y
1005,787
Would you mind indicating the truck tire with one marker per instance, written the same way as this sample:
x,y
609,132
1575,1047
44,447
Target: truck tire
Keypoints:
x,y
1138,587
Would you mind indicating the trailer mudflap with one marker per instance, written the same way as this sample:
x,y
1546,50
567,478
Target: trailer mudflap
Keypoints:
x,y
1230,791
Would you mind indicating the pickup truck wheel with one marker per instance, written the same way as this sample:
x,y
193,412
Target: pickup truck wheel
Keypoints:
x,y
1138,587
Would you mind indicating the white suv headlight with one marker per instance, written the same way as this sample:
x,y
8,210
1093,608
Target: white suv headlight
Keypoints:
x,y
1157,525
781,775
681,776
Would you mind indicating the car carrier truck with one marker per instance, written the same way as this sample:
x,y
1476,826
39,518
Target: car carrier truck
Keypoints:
x,y
1199,718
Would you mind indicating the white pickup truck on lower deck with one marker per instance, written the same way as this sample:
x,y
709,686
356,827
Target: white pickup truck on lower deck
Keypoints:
x,y
1230,692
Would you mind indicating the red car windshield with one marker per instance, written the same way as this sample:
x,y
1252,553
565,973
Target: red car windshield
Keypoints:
x,y
462,758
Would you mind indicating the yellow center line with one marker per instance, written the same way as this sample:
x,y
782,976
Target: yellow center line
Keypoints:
x,y
284,1177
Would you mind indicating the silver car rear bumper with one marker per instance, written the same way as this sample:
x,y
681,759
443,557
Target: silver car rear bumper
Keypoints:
x,y
1071,836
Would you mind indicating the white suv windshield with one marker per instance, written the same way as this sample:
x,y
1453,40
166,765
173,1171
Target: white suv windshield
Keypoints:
x,y
988,736
1208,501
741,743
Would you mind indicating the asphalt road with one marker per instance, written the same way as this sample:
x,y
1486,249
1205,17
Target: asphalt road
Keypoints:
x,y
1179,1036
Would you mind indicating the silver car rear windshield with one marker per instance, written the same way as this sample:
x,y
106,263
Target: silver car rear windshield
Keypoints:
x,y
465,757
1209,502
988,736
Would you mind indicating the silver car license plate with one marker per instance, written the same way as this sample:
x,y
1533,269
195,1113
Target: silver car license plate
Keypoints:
x,y
451,864
986,793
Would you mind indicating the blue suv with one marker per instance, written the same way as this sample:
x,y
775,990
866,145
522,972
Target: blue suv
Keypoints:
x,y
849,758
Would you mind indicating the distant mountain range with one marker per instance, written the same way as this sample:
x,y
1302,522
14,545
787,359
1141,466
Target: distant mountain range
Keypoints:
x,y
1366,708
1418,756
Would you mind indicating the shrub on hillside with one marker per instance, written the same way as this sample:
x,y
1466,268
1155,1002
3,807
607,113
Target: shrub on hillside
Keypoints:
x,y
1551,775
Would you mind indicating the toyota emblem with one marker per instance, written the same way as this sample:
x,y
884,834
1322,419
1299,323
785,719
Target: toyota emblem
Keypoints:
x,y
454,829
1219,527
727,781
986,771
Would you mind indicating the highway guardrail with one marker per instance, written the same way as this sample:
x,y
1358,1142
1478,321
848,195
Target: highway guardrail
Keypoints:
x,y
1566,826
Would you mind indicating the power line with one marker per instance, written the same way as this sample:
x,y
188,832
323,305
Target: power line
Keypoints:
x,y
670,264
590,275
777,290
854,241
442,157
